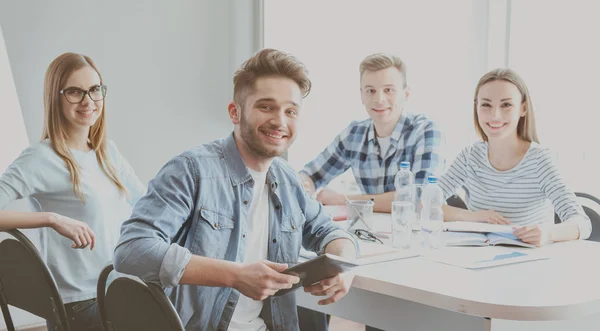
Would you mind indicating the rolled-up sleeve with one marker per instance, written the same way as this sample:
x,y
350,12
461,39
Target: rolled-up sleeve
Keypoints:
x,y
319,229
330,163
145,248
563,199
428,158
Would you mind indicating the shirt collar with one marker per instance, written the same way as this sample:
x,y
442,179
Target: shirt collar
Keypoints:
x,y
403,122
238,171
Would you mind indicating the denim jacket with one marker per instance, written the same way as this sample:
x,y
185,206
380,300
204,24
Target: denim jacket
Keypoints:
x,y
198,204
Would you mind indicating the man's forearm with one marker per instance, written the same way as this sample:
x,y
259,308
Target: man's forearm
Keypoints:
x,y
383,201
204,271
342,247
307,183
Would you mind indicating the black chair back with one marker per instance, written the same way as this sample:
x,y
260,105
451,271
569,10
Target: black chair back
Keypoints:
x,y
26,283
130,304
456,201
591,207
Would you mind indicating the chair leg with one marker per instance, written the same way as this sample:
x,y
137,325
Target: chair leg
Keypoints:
x,y
7,318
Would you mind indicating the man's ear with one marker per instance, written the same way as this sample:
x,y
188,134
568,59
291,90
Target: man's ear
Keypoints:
x,y
406,92
234,112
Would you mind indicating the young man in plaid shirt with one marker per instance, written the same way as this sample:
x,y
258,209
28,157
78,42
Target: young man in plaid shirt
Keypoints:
x,y
374,148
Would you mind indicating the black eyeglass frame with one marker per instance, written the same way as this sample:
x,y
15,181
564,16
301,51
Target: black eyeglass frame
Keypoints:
x,y
102,87
366,235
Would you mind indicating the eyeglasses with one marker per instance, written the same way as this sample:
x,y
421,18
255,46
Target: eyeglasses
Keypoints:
x,y
76,95
365,235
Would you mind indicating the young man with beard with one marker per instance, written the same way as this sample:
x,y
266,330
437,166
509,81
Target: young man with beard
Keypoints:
x,y
222,221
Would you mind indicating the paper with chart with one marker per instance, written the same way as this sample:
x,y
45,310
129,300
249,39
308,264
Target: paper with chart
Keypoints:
x,y
482,257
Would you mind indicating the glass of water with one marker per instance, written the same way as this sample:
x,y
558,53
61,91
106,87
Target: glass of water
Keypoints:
x,y
360,215
403,215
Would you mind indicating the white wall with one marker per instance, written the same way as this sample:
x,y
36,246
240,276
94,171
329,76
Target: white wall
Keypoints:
x,y
13,139
168,66
445,51
12,127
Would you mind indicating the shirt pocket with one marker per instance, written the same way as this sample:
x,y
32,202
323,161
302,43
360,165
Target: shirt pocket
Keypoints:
x,y
213,233
291,237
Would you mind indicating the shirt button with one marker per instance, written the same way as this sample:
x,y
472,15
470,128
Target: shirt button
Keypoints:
x,y
216,225
274,240
277,207
245,202
244,236
293,227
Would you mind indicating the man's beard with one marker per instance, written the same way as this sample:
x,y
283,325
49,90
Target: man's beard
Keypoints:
x,y
256,147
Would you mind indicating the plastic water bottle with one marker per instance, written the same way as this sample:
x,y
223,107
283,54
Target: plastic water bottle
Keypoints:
x,y
432,217
404,183
403,215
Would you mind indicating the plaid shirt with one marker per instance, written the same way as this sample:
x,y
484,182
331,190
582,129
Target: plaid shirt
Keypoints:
x,y
415,139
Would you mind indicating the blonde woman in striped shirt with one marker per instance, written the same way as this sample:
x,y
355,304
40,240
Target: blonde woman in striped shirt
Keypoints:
x,y
508,177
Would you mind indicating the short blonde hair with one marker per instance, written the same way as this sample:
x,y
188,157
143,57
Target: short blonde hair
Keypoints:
x,y
381,61
269,63
526,127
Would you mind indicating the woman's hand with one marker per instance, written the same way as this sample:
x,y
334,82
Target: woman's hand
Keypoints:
x,y
78,231
532,234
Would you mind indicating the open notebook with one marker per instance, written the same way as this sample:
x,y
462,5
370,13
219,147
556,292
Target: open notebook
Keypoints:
x,y
480,234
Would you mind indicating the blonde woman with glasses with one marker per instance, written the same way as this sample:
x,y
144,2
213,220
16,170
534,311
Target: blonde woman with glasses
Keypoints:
x,y
83,185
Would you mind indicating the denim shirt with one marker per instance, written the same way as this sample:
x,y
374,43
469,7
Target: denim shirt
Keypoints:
x,y
198,204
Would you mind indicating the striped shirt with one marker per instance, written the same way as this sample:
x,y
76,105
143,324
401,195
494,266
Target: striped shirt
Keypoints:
x,y
524,194
415,139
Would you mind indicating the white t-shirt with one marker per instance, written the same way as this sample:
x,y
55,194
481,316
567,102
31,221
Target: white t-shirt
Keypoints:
x,y
246,314
41,174
384,145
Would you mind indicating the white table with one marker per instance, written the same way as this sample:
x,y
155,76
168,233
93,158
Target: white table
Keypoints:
x,y
561,293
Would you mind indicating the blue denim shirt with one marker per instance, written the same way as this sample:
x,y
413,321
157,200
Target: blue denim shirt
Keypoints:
x,y
198,204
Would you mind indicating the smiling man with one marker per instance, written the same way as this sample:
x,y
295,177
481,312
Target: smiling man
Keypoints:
x,y
222,221
374,148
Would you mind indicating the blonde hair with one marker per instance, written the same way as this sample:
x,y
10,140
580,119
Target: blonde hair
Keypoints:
x,y
269,63
526,128
55,123
381,61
